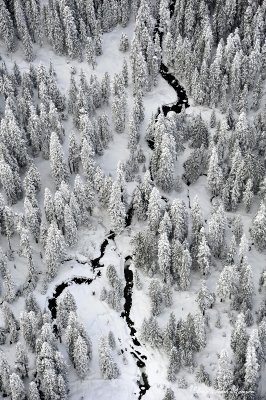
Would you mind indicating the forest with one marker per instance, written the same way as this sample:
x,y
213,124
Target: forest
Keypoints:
x,y
133,199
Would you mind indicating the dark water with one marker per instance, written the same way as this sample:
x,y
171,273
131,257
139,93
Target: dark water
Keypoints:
x,y
96,262
52,302
143,383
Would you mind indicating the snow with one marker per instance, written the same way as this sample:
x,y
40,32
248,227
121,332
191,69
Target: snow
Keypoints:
x,y
97,317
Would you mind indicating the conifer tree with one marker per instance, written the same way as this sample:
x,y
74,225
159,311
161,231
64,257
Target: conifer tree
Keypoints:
x,y
184,271
81,359
90,52
119,112
224,377
248,195
205,298
155,292
179,217
70,227
58,166
117,210
217,231
203,256
227,283
17,387
258,230
164,256
73,155
174,364
108,367
154,210
239,338
22,362
169,395
54,250
124,43
251,372
33,392
215,176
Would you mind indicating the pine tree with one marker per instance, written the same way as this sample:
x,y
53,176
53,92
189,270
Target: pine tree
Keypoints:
x,y
59,206
224,376
166,225
117,208
133,134
81,359
106,88
28,324
155,293
164,256
184,271
54,250
124,43
239,338
227,283
251,372
71,34
197,219
213,119
9,287
215,175
119,113
22,361
33,392
8,225
169,395
49,206
5,375
217,231
58,166
125,72
70,227
7,181
168,46
165,172
111,340
174,364
73,154
164,14
204,254
154,210
108,367
258,229
33,218
7,28
90,52
17,388
248,195
205,298
179,217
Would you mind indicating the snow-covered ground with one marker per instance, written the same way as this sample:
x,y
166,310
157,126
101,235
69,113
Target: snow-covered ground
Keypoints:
x,y
97,317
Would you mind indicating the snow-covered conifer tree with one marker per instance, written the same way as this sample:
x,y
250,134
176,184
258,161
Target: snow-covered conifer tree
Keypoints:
x,y
17,387
81,359
164,256
258,229
224,376
58,166
108,367
154,210
117,210
174,364
70,227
